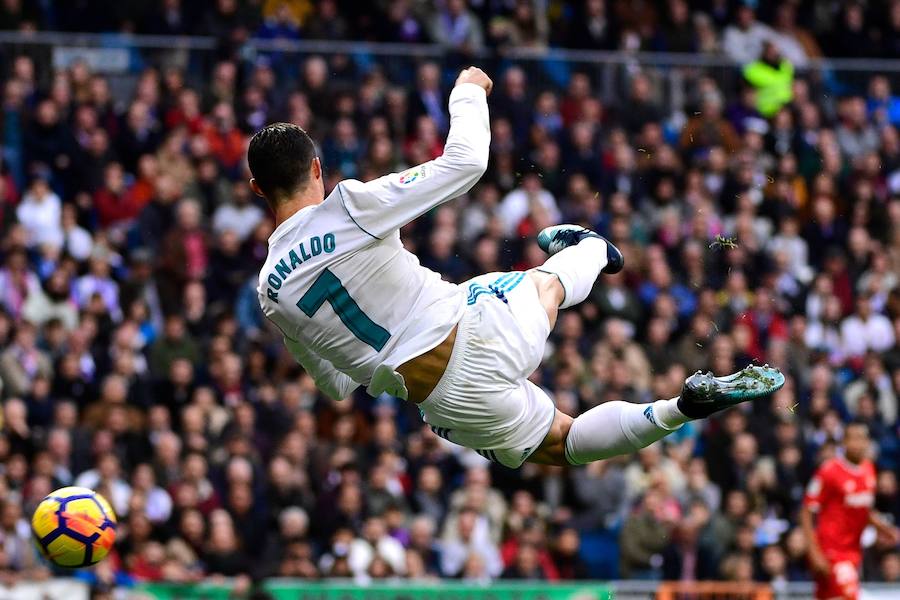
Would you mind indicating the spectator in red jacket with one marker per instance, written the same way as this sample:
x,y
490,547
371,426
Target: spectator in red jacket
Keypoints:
x,y
765,324
186,113
226,142
113,202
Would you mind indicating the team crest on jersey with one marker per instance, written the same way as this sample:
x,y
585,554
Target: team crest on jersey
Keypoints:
x,y
412,175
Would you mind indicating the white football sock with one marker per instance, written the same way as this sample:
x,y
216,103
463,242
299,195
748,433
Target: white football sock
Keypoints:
x,y
577,268
615,428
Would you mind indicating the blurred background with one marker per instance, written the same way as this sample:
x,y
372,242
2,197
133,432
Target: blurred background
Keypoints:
x,y
744,155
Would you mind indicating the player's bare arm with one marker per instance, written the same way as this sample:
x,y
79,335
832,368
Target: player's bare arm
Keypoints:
x,y
817,559
884,527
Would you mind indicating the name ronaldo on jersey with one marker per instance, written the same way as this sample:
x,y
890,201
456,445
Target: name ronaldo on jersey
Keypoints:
x,y
294,258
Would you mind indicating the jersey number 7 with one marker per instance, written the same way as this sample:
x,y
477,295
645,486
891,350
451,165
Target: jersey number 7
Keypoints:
x,y
328,287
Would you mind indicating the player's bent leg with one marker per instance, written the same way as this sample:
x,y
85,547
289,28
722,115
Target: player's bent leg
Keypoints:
x,y
578,256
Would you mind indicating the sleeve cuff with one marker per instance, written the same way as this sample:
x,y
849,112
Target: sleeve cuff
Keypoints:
x,y
468,90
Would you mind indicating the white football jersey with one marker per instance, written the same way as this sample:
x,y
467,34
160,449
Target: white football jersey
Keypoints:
x,y
352,303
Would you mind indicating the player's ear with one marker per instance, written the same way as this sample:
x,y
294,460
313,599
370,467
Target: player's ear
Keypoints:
x,y
317,168
256,189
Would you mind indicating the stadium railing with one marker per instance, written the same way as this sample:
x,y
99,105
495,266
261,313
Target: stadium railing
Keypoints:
x,y
674,75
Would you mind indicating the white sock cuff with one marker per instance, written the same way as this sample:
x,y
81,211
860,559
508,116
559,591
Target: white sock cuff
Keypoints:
x,y
577,268
667,415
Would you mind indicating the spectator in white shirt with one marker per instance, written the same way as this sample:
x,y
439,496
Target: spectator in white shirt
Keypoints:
x,y
527,200
864,330
471,537
375,541
789,241
157,501
76,239
107,479
743,41
40,213
823,334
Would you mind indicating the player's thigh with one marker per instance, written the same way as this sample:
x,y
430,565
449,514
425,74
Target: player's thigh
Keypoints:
x,y
552,450
512,323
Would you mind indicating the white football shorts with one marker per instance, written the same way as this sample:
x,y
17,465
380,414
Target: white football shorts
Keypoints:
x,y
484,400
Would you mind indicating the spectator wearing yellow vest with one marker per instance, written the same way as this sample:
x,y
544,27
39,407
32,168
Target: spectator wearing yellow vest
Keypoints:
x,y
772,76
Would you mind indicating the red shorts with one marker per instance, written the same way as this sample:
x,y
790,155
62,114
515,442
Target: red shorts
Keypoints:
x,y
842,582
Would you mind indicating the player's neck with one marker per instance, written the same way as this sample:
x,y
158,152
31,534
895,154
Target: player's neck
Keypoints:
x,y
852,465
286,209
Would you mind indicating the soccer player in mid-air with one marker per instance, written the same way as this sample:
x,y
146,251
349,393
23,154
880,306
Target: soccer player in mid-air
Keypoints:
x,y
356,308
839,498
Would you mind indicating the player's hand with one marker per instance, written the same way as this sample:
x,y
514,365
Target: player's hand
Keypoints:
x,y
893,535
819,563
476,76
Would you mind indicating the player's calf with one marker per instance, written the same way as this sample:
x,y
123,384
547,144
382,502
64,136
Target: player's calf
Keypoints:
x,y
616,428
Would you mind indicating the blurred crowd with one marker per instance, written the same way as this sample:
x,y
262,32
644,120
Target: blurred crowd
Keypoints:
x,y
806,28
761,224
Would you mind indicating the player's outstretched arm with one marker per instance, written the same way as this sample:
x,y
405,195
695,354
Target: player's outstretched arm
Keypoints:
x,y
333,383
383,205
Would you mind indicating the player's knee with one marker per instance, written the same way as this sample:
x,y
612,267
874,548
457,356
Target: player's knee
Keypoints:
x,y
553,449
548,285
563,423
550,292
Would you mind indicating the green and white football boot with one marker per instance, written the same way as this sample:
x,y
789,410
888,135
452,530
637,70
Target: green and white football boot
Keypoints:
x,y
703,394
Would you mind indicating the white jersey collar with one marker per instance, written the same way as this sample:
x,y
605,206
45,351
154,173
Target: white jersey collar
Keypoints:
x,y
288,223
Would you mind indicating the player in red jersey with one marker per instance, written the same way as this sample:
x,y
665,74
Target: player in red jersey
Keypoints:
x,y
841,494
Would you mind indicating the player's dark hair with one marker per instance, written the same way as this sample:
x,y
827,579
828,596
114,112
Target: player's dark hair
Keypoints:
x,y
279,156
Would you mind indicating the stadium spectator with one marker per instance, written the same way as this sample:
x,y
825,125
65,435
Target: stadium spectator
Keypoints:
x,y
773,77
457,28
39,213
467,542
641,542
744,40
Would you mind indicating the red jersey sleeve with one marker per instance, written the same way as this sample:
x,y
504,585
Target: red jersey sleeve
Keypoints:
x,y
817,489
